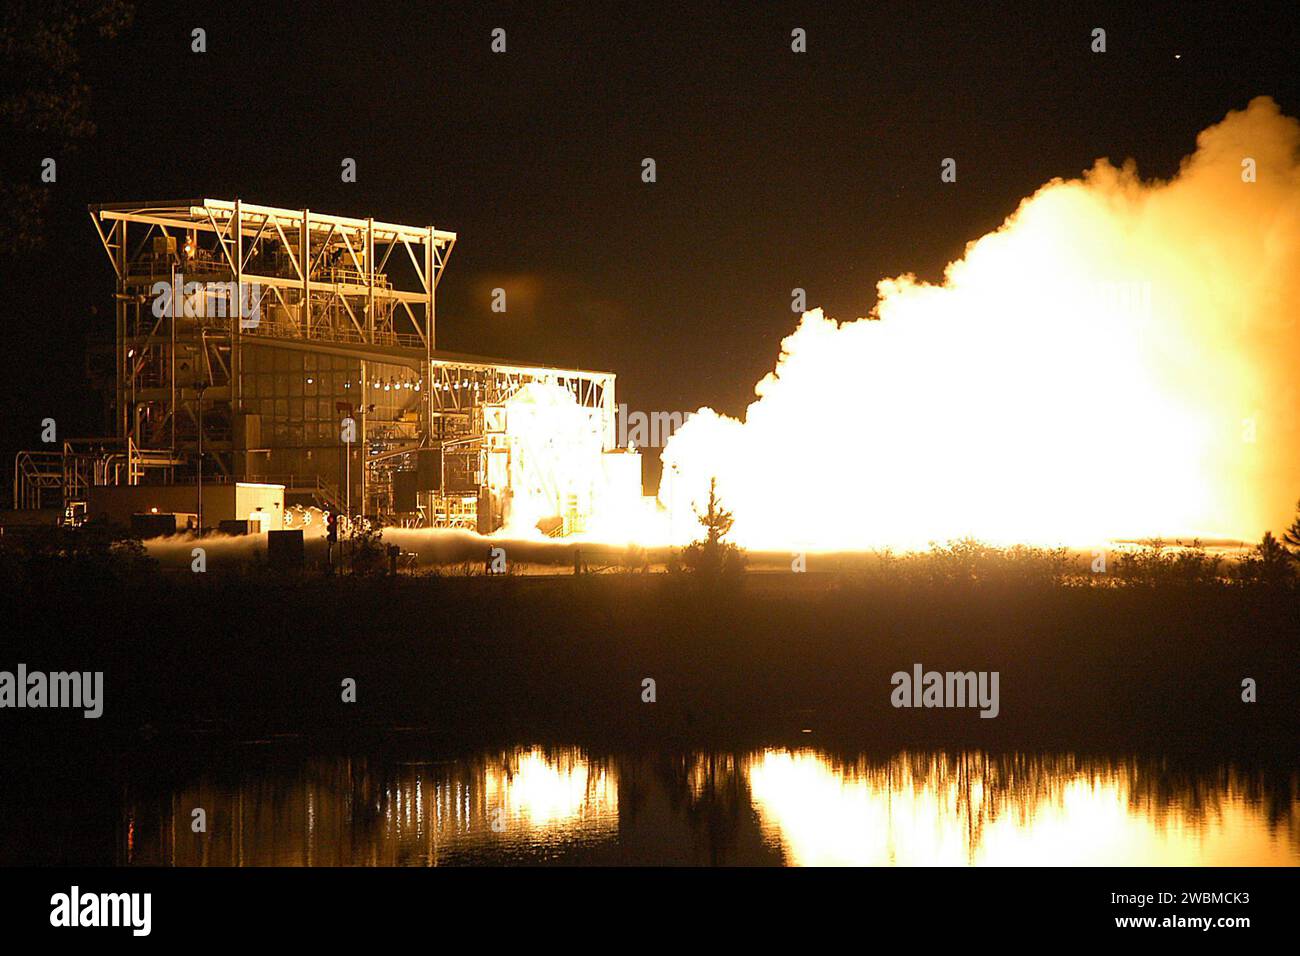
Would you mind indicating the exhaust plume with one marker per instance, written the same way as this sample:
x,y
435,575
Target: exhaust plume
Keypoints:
x,y
1119,359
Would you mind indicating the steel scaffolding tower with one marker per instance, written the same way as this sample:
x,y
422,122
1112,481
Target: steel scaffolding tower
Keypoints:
x,y
257,334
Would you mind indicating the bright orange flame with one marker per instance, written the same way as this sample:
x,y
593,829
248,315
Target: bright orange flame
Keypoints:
x,y
1117,360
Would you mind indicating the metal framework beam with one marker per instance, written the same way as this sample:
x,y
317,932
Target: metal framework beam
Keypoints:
x,y
321,284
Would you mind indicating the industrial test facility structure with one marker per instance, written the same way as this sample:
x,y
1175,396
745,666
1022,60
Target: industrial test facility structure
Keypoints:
x,y
266,358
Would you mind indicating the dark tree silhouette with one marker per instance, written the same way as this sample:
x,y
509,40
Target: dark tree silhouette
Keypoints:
x,y
1271,563
1291,536
710,556
717,521
44,103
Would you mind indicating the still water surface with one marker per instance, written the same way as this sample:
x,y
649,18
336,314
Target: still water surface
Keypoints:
x,y
533,805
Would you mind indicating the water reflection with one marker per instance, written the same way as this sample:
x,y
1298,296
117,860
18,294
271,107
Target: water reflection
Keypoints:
x,y
329,812
564,805
935,809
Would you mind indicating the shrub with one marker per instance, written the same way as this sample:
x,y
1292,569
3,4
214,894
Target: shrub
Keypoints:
x,y
1158,563
369,556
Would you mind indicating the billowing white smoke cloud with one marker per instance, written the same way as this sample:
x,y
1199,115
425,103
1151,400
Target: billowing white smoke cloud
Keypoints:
x,y
1121,358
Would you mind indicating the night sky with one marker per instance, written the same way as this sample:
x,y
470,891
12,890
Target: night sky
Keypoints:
x,y
775,170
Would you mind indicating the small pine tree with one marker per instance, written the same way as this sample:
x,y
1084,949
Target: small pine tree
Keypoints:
x,y
710,556
1270,551
1291,536
717,521
1274,561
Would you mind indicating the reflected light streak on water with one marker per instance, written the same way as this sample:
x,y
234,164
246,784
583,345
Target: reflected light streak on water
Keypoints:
x,y
533,804
971,809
